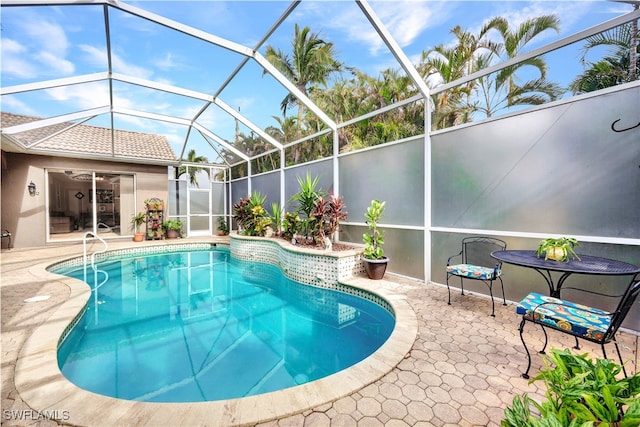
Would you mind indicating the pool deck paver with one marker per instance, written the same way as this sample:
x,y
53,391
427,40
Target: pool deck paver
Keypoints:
x,y
463,368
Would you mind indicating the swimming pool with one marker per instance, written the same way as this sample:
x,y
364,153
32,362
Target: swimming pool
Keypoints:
x,y
202,326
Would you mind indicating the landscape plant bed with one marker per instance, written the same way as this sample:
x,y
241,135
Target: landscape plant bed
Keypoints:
x,y
305,264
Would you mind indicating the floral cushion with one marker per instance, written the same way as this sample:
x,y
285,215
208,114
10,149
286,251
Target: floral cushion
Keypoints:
x,y
472,271
574,318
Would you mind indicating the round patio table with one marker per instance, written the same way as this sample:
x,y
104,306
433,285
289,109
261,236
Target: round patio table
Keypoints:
x,y
587,265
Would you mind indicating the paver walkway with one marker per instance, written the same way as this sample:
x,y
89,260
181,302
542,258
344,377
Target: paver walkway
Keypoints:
x,y
463,370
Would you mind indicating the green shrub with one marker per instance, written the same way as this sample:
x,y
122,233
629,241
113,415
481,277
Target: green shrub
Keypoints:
x,y
580,392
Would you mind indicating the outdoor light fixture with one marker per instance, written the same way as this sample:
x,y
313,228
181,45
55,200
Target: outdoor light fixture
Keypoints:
x,y
32,189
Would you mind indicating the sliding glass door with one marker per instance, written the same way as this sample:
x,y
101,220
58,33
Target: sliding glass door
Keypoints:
x,y
82,200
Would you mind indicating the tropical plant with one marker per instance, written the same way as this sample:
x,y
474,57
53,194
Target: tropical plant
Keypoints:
x,y
559,249
619,66
374,239
223,227
286,130
324,219
290,225
317,219
276,218
137,220
252,217
447,63
242,212
363,94
154,204
502,89
336,213
311,62
193,171
580,392
306,199
173,224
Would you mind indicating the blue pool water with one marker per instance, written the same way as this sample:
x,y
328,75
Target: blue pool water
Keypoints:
x,y
202,326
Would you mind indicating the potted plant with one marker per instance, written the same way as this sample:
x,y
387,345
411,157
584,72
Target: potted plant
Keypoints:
x,y
159,233
136,221
558,249
580,392
223,227
154,204
173,228
375,263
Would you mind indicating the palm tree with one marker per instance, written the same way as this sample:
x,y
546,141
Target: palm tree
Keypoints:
x,y
445,64
193,171
502,90
286,130
311,62
616,68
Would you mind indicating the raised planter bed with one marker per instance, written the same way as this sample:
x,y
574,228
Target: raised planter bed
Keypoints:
x,y
310,266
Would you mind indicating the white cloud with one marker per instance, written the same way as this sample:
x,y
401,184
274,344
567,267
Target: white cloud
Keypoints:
x,y
167,62
121,66
42,50
81,97
572,15
136,123
48,36
50,44
14,62
408,20
98,57
10,103
95,56
10,46
55,64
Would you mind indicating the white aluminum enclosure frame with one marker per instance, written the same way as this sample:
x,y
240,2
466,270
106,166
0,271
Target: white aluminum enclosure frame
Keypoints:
x,y
247,54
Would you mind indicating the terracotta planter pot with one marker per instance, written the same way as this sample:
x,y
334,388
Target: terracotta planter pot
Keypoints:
x,y
173,234
138,237
375,268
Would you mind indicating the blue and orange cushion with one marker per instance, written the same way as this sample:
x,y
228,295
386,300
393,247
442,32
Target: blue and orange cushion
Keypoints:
x,y
473,271
575,318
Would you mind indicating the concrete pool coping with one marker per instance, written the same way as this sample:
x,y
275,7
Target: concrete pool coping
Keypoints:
x,y
43,387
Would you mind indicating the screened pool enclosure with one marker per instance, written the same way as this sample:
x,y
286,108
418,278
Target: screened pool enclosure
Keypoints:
x,y
565,164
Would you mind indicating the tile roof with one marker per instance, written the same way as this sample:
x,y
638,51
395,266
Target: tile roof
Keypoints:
x,y
90,140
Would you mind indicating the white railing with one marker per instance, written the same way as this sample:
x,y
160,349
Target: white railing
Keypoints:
x,y
96,271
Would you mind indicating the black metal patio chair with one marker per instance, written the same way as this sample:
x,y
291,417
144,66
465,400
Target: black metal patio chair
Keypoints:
x,y
476,263
578,320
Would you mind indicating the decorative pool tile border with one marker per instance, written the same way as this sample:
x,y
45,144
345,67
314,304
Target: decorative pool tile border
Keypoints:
x,y
72,325
324,270
302,265
127,252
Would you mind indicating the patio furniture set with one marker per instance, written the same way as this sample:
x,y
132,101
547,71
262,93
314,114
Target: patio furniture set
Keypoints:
x,y
482,258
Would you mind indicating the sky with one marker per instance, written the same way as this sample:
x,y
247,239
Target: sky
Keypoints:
x,y
52,42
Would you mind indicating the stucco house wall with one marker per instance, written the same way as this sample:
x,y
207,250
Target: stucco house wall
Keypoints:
x,y
25,215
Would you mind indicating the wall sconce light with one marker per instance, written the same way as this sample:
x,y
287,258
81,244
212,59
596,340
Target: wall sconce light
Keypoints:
x,y
32,189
